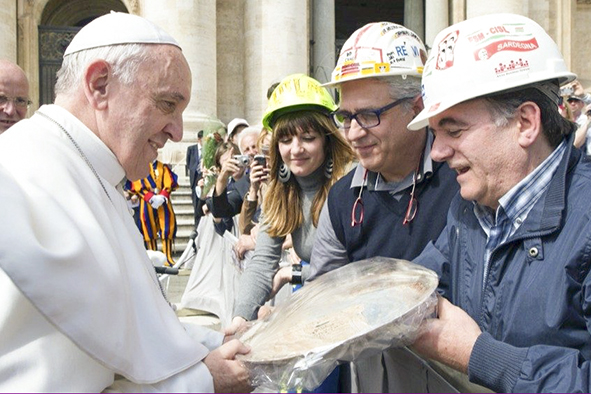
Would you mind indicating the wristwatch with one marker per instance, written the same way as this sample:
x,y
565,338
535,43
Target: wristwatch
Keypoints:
x,y
296,274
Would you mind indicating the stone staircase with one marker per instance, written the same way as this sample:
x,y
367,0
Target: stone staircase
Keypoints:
x,y
183,208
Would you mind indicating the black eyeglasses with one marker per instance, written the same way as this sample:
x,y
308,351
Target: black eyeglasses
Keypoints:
x,y
573,100
366,118
19,102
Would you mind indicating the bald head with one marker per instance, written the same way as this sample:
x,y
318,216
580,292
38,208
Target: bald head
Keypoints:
x,y
14,94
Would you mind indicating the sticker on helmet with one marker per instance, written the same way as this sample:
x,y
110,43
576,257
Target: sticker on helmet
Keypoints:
x,y
505,45
511,67
445,51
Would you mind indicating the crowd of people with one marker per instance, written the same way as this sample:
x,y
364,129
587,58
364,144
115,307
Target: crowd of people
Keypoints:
x,y
471,160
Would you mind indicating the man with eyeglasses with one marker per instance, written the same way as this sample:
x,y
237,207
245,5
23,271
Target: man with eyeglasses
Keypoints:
x,y
14,94
393,203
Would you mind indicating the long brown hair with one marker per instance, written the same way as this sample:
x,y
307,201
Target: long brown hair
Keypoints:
x,y
283,206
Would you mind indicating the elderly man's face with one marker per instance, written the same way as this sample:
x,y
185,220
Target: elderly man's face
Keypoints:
x,y
248,145
143,116
487,158
389,148
15,88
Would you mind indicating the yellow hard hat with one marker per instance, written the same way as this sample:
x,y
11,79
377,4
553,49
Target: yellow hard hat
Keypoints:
x,y
297,92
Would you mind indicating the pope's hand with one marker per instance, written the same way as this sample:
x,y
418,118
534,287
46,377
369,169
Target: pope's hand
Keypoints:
x,y
229,375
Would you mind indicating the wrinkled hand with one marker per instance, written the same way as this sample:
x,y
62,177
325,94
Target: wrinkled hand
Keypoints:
x,y
157,200
244,244
229,375
448,338
238,324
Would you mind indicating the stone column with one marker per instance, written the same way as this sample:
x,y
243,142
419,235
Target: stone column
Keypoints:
x,y
276,43
8,30
414,18
231,55
480,7
436,19
458,11
193,25
323,47
29,15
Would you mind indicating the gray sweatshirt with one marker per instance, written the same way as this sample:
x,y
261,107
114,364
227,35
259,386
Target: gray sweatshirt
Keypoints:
x,y
257,279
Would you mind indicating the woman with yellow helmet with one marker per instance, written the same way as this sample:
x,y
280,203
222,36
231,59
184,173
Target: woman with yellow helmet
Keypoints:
x,y
307,156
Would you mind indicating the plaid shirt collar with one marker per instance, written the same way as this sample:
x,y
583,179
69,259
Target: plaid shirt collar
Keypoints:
x,y
516,204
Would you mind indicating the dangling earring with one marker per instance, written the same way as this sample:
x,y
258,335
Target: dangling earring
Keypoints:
x,y
328,168
284,173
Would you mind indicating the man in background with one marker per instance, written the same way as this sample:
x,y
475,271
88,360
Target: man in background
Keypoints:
x,y
14,94
193,169
235,126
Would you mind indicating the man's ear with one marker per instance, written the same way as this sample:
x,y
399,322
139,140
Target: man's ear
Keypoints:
x,y
529,122
417,104
97,78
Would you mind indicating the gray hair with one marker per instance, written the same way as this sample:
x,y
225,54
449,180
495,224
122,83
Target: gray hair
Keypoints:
x,y
247,131
503,106
403,87
124,59
400,87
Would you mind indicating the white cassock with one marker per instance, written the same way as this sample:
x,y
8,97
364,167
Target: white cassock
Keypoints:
x,y
80,301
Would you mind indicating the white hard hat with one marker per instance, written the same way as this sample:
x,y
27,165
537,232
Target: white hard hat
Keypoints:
x,y
379,49
118,28
484,55
235,123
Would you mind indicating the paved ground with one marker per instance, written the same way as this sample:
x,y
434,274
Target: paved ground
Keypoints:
x,y
176,285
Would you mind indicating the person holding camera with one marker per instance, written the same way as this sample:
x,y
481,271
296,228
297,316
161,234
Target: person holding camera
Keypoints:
x,y
582,117
251,206
231,185
307,156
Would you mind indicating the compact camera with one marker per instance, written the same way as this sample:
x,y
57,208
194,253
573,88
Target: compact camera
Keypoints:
x,y
567,91
243,160
261,160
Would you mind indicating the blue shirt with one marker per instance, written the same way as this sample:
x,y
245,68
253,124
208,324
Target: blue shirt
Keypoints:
x,y
516,204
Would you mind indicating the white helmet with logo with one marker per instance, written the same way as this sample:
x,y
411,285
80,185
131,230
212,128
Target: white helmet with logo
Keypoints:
x,y
380,49
484,55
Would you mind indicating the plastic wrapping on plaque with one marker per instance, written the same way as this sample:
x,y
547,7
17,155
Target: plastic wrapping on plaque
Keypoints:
x,y
352,312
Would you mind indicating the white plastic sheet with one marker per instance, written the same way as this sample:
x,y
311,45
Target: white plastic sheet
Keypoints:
x,y
357,310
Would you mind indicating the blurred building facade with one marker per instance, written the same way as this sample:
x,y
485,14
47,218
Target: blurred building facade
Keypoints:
x,y
238,48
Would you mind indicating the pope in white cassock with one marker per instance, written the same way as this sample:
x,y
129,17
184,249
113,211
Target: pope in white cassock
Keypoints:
x,y
81,307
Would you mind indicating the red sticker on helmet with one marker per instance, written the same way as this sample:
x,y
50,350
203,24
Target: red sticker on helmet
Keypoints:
x,y
505,45
445,51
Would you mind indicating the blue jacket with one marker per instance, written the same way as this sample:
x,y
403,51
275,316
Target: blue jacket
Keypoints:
x,y
535,307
